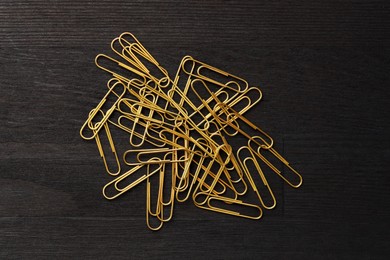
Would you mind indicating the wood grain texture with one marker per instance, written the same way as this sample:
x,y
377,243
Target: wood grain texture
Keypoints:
x,y
323,68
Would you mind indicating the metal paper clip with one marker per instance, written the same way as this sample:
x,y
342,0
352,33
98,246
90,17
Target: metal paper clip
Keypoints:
x,y
95,127
199,66
259,153
171,187
113,150
266,140
114,184
216,160
121,126
149,213
229,201
248,174
132,47
137,73
153,152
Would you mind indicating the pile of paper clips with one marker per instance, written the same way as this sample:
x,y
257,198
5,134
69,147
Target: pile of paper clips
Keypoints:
x,y
178,131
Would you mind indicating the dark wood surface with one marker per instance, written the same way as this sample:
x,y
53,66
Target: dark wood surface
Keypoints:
x,y
324,72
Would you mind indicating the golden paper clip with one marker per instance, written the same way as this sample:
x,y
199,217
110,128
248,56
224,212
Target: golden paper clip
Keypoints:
x,y
129,184
95,127
136,110
260,151
216,160
153,152
184,176
231,166
200,69
134,51
113,150
248,174
265,140
121,126
229,202
170,185
119,49
133,72
157,215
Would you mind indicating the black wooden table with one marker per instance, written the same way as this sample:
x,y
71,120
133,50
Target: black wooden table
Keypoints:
x,y
324,72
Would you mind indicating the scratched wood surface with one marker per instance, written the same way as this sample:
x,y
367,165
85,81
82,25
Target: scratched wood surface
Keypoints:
x,y
324,72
